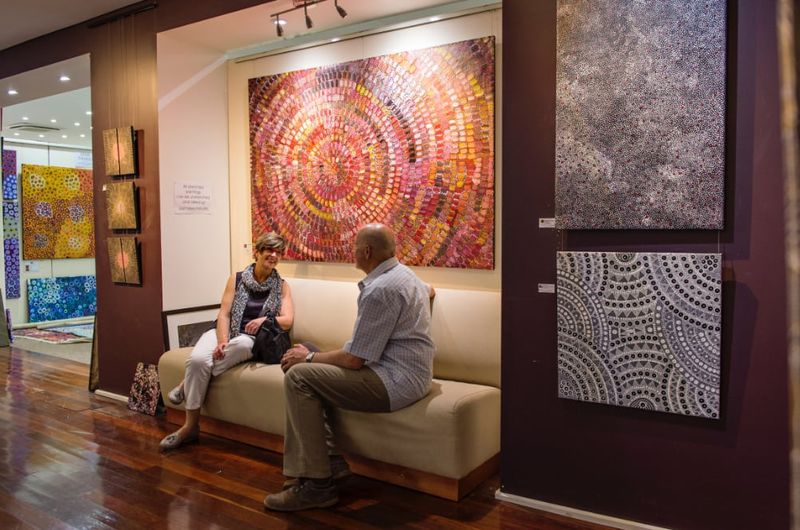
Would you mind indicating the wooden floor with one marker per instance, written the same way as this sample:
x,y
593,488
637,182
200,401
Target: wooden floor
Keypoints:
x,y
70,459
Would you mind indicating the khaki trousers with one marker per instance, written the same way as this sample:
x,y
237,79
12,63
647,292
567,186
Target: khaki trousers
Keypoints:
x,y
310,389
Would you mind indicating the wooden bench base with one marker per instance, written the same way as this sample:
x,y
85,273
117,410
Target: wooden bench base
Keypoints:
x,y
444,487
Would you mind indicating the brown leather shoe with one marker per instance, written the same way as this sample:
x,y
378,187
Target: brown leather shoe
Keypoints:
x,y
303,496
340,470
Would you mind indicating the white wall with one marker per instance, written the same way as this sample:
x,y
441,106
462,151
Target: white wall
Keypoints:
x,y
193,147
53,268
424,36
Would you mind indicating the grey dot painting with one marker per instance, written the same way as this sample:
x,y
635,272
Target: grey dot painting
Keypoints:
x,y
640,104
640,330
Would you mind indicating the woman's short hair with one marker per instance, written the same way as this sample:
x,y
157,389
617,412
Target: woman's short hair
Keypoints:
x,y
272,240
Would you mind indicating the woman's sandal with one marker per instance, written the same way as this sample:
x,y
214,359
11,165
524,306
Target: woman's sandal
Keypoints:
x,y
173,441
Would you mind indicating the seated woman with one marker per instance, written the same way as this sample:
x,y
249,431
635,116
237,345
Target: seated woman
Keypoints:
x,y
251,296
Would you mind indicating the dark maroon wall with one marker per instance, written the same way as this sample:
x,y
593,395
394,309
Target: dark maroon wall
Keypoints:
x,y
124,92
653,467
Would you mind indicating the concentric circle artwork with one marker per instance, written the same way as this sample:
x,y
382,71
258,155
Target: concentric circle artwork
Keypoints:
x,y
11,224
405,139
640,330
61,298
57,212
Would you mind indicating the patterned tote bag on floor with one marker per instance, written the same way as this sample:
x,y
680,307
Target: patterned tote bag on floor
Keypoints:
x,y
145,390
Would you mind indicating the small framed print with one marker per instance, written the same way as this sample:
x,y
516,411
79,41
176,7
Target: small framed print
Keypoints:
x,y
183,327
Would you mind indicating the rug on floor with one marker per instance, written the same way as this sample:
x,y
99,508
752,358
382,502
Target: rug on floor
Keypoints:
x,y
81,330
49,336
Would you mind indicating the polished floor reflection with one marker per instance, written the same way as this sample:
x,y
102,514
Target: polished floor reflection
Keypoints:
x,y
70,459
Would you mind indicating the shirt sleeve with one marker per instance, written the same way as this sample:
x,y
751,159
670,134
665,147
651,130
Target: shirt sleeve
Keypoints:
x,y
378,314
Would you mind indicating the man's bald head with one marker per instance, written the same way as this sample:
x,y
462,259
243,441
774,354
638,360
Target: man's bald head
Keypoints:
x,y
379,239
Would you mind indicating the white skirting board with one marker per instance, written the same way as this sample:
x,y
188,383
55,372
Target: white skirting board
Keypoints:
x,y
574,513
111,395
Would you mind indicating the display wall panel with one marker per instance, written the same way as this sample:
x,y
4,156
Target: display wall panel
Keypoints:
x,y
406,139
640,104
11,224
640,330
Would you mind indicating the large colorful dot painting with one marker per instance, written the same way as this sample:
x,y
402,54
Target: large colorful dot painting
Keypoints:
x,y
405,139
60,298
57,212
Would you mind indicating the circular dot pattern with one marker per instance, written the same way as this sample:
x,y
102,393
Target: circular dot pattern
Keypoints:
x,y
640,330
59,298
405,139
57,212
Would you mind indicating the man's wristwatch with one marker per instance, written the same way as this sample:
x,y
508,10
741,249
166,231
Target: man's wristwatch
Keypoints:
x,y
310,356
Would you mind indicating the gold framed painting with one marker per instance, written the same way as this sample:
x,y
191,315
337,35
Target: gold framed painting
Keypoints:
x,y
121,206
120,151
123,260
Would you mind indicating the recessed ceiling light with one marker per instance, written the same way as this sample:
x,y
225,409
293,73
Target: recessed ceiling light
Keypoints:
x,y
279,21
335,39
83,136
41,136
63,136
12,92
435,19
91,128
77,124
64,78
52,120
16,134
24,118
88,112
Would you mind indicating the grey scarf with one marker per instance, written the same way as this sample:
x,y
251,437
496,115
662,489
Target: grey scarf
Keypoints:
x,y
272,305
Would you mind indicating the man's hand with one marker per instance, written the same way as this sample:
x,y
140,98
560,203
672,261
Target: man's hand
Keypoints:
x,y
219,351
294,355
251,328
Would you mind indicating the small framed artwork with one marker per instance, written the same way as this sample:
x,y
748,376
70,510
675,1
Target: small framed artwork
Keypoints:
x,y
183,327
119,150
123,259
121,206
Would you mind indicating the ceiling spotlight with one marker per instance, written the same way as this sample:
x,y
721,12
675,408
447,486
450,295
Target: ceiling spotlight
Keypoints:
x,y
12,92
77,124
41,136
24,118
16,134
309,22
83,136
340,9
88,112
434,19
64,78
63,136
336,39
52,120
279,25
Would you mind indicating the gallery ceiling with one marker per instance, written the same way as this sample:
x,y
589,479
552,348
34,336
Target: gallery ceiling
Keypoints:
x,y
24,20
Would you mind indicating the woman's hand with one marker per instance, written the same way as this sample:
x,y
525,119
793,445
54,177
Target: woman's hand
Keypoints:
x,y
251,328
294,355
219,351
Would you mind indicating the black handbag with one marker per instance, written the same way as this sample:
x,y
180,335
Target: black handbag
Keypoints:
x,y
271,343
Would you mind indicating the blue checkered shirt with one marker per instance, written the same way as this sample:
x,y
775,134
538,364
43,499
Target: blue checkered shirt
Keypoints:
x,y
392,332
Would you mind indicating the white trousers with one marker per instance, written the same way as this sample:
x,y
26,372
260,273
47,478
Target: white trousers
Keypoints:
x,y
200,365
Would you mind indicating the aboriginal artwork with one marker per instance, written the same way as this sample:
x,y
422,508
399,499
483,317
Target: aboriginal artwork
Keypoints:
x,y
61,298
640,105
57,212
119,150
11,223
640,330
405,139
121,205
123,259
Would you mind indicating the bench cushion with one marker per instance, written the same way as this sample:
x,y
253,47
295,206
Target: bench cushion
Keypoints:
x,y
450,432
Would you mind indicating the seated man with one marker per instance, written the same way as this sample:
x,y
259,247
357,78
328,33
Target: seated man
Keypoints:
x,y
387,365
